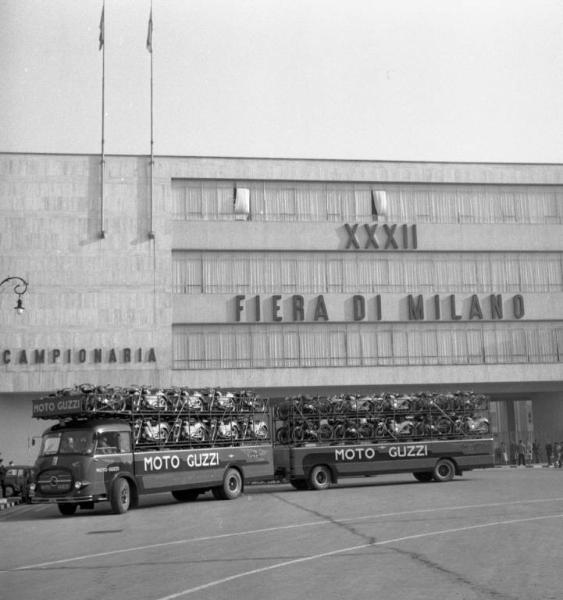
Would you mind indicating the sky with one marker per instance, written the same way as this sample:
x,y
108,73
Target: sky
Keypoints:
x,y
413,80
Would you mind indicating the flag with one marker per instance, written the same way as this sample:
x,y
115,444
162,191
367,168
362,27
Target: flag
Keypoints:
x,y
149,34
373,207
101,37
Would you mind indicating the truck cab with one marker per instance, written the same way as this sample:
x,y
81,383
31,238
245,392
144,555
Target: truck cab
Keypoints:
x,y
83,462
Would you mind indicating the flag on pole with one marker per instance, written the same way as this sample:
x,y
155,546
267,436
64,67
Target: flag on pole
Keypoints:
x,y
149,34
373,207
101,36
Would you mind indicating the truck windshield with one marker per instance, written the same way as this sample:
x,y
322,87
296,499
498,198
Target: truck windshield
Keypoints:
x,y
67,442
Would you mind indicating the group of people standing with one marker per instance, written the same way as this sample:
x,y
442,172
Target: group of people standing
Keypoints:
x,y
528,453
554,453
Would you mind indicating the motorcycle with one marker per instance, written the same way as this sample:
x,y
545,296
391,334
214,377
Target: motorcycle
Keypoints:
x,y
110,399
395,428
225,429
470,425
154,400
256,430
222,402
194,430
147,431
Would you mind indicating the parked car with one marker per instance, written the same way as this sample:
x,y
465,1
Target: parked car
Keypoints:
x,y
18,478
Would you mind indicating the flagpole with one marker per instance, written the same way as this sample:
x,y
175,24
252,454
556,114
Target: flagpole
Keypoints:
x,y
103,158
149,48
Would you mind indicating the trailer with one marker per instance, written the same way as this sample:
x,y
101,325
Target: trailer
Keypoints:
x,y
434,436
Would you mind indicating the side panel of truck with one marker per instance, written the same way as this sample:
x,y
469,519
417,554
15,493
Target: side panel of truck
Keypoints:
x,y
381,458
183,469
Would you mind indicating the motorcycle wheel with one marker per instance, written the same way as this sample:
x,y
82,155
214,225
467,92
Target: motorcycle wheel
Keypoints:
x,y
444,426
118,402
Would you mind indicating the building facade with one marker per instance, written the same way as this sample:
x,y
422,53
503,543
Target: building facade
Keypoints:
x,y
283,276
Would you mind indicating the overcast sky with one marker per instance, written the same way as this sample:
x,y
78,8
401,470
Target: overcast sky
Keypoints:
x,y
443,80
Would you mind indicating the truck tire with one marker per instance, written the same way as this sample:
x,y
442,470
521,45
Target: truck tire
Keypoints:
x,y
231,487
120,496
320,478
424,477
185,495
10,491
67,509
444,470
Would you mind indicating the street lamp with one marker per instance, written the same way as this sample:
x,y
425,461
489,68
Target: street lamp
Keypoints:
x,y
20,289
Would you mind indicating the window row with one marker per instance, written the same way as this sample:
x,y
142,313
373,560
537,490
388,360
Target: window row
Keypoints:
x,y
317,273
359,202
349,345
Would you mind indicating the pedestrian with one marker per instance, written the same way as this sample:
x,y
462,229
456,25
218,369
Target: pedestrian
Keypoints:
x,y
536,452
521,453
557,455
504,453
3,477
529,453
548,451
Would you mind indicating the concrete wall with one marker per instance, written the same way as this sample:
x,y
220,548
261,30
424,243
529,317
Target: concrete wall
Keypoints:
x,y
85,292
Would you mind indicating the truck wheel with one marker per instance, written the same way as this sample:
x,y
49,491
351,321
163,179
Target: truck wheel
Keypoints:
x,y
120,497
424,477
10,491
185,495
320,478
444,470
231,487
67,509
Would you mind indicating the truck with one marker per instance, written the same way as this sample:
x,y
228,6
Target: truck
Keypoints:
x,y
114,444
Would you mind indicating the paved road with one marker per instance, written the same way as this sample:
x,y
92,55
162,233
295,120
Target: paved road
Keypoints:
x,y
492,534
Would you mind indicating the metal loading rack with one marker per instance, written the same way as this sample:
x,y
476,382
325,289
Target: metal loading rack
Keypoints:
x,y
176,417
385,417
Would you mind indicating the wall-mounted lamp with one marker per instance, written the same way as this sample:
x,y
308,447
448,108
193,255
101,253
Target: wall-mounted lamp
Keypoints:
x,y
20,289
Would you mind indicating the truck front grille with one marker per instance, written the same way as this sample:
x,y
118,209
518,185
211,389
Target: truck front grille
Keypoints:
x,y
54,481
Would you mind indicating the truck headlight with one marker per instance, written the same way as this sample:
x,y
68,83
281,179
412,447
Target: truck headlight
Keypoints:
x,y
78,485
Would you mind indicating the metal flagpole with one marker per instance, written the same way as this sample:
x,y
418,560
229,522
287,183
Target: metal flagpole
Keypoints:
x,y
102,47
149,48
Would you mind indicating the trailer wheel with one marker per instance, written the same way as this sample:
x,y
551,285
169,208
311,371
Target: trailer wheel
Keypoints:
x,y
424,477
231,487
67,509
319,478
120,497
444,470
185,495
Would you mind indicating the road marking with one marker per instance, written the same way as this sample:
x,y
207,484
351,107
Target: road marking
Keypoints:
x,y
322,522
295,561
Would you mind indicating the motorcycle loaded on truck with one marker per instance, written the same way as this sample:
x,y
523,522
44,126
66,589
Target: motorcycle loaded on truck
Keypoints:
x,y
114,444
